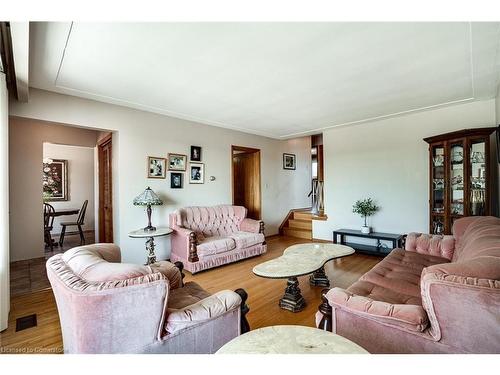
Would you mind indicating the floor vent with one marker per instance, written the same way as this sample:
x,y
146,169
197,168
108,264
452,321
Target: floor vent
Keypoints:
x,y
25,322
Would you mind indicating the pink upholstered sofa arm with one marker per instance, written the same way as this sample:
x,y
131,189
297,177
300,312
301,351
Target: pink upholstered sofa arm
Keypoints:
x,y
456,294
436,245
251,225
407,317
207,309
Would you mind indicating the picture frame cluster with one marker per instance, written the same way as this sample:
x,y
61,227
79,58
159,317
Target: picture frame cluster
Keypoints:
x,y
177,165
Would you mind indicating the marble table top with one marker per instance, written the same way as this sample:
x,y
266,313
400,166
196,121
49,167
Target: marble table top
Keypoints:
x,y
290,340
141,233
301,259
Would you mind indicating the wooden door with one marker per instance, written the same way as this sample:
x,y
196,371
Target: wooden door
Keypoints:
x,y
105,148
246,180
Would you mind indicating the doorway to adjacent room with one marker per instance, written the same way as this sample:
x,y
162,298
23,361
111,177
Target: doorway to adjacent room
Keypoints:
x,y
246,179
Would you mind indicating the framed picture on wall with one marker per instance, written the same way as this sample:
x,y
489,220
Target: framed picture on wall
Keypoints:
x,y
195,153
177,162
196,173
176,180
55,180
156,167
289,161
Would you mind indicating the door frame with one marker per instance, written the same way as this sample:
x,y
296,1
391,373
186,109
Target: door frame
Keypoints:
x,y
249,150
100,145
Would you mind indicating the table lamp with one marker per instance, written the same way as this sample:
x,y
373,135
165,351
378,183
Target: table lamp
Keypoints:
x,y
148,198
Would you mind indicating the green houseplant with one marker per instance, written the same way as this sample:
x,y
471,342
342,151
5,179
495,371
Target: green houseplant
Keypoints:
x,y
365,208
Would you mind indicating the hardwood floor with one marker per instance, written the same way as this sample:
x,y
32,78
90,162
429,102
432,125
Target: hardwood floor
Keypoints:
x,y
264,295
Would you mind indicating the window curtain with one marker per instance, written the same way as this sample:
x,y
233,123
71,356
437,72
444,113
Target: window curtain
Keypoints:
x,y
4,205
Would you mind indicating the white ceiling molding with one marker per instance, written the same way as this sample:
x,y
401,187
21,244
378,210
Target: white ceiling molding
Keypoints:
x,y
20,50
279,80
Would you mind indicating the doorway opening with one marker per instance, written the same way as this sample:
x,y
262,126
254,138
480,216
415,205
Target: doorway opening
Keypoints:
x,y
246,179
105,188
317,182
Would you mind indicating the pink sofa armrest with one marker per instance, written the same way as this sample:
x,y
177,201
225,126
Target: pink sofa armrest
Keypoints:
x,y
251,225
462,301
170,271
207,309
412,318
436,245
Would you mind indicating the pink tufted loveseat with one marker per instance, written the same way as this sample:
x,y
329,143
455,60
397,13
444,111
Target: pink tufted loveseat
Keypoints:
x,y
440,295
207,237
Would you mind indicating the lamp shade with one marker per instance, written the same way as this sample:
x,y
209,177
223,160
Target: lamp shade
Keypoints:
x,y
147,198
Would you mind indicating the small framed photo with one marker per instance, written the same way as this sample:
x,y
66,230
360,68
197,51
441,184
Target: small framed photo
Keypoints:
x,y
176,180
196,173
195,153
177,162
156,167
289,161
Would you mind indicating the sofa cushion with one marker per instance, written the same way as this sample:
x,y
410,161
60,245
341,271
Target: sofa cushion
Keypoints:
x,y
399,275
409,317
215,245
247,239
189,294
201,311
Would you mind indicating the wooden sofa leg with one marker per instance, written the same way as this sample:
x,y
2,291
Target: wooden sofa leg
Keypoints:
x,y
244,326
261,230
193,255
325,308
180,266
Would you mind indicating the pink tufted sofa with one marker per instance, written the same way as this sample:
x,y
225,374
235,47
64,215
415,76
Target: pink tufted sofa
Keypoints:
x,y
207,237
106,306
439,295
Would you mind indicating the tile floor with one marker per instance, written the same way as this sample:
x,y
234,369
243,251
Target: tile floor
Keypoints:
x,y
30,275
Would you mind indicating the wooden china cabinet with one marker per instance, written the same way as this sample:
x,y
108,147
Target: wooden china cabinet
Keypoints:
x,y
460,177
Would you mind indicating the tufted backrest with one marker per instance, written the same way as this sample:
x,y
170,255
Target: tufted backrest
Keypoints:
x,y
475,237
101,263
211,221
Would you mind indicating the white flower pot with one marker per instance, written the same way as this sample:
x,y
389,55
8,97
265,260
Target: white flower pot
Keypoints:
x,y
365,229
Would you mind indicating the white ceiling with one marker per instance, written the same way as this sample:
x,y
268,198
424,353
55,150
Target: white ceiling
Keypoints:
x,y
273,79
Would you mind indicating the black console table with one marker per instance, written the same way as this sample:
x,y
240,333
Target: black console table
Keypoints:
x,y
377,249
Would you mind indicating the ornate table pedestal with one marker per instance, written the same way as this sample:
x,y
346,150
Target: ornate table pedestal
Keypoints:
x,y
150,242
290,340
292,300
299,260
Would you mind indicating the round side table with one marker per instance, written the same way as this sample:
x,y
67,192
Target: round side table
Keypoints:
x,y
290,340
150,242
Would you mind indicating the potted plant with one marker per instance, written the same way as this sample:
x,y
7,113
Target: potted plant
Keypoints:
x,y
365,208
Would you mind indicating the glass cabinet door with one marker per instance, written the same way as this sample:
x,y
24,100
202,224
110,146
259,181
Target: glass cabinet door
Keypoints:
x,y
457,168
438,189
477,178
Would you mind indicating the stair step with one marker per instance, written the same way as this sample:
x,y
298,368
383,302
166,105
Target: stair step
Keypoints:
x,y
298,215
300,233
302,224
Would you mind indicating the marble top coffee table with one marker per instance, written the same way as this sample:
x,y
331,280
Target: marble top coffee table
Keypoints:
x,y
290,340
299,260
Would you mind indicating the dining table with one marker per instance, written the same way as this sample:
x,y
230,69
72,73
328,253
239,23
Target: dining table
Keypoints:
x,y
62,212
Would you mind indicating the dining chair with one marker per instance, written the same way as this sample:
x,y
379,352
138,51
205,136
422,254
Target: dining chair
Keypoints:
x,y
78,223
48,223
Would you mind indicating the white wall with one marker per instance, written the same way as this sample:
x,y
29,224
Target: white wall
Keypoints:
x,y
26,138
388,161
4,205
81,181
138,134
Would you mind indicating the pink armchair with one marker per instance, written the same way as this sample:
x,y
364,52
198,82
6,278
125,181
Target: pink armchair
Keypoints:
x,y
440,295
110,307
207,237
